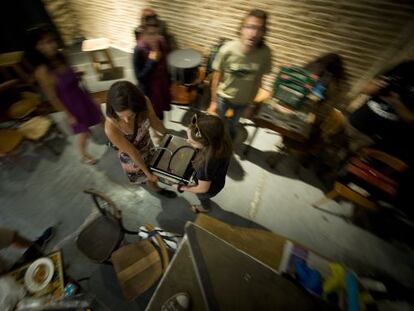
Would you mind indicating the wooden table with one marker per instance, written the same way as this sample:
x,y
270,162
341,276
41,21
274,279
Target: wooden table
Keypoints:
x,y
95,46
291,124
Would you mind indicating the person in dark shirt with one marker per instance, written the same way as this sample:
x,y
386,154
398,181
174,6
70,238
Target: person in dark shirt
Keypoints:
x,y
387,117
207,134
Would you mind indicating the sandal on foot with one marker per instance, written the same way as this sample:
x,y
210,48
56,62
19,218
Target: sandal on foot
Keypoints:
x,y
89,161
199,209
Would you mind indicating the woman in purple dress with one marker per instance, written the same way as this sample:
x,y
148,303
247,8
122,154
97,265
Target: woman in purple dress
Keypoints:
x,y
62,86
150,66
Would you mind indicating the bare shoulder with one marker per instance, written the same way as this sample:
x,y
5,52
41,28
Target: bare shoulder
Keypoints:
x,y
41,73
110,126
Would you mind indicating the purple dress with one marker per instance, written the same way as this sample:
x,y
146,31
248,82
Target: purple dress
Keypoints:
x,y
76,100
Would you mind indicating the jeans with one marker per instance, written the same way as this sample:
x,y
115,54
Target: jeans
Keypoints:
x,y
223,105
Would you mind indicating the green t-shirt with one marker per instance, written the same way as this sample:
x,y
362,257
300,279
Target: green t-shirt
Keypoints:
x,y
241,73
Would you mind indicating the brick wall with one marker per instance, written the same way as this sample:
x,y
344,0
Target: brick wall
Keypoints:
x,y
367,33
64,18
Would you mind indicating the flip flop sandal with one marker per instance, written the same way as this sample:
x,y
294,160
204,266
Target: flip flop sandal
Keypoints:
x,y
90,161
199,209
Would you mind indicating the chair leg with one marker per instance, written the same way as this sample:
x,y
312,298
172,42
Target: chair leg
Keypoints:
x,y
328,197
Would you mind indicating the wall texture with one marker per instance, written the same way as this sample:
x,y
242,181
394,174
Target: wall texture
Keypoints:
x,y
367,33
65,20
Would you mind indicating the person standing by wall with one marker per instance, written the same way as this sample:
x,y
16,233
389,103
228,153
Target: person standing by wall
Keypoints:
x,y
150,67
239,67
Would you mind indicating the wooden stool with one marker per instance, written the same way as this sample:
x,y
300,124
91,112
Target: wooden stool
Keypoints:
x,y
14,62
94,47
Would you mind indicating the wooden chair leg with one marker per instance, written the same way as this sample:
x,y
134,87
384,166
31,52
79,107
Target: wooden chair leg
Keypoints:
x,y
328,197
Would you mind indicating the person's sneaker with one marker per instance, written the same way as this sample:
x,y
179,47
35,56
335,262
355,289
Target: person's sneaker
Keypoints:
x,y
167,193
46,236
178,302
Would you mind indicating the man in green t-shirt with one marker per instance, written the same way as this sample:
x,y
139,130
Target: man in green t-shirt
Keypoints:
x,y
239,67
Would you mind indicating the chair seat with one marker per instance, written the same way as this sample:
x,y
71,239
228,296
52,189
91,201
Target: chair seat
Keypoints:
x,y
9,140
23,108
138,267
100,238
36,127
11,58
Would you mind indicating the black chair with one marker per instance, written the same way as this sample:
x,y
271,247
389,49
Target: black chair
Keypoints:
x,y
105,234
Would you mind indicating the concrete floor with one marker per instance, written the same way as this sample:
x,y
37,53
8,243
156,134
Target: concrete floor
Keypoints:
x,y
255,195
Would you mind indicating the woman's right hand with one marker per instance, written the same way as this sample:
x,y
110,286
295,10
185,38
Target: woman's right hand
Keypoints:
x,y
153,55
152,178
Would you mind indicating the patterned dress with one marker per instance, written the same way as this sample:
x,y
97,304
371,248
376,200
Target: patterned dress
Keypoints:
x,y
143,143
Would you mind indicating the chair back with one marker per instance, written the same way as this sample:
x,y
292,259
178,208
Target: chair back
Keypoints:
x,y
103,235
104,204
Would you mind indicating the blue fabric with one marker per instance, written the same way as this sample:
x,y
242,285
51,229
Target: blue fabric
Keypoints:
x,y
309,278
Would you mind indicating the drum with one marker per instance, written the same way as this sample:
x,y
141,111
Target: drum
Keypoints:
x,y
171,162
184,65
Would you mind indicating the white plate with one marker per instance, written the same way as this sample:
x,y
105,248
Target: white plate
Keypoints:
x,y
30,283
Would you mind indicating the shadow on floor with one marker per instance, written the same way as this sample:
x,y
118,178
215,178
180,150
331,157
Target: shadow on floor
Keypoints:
x,y
177,212
286,165
235,171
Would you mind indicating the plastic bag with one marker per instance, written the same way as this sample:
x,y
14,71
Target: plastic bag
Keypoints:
x,y
10,293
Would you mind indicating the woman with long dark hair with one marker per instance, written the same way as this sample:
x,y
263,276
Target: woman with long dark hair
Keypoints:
x,y
208,135
61,85
129,118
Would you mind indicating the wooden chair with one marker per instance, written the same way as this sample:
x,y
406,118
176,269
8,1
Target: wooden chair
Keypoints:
x,y
139,265
13,65
10,140
24,107
357,195
39,130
